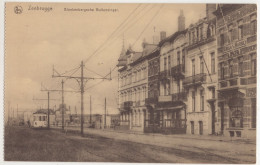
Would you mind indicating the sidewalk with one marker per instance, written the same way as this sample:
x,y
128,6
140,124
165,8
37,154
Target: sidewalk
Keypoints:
x,y
107,132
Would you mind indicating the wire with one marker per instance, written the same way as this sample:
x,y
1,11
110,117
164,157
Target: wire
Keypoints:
x,y
113,33
148,24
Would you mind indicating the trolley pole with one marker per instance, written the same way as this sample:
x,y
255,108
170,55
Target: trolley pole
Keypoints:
x,y
90,111
62,104
48,110
105,117
82,97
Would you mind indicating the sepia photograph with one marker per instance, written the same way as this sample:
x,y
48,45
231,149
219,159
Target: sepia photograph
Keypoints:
x,y
130,82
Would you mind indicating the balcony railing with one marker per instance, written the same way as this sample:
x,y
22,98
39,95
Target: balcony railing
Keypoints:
x,y
179,96
235,82
197,79
126,105
177,72
164,74
165,98
151,100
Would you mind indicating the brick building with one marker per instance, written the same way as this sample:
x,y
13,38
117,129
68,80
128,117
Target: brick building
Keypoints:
x,y
236,35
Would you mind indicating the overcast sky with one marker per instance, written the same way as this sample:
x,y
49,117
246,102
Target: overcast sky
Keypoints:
x,y
37,40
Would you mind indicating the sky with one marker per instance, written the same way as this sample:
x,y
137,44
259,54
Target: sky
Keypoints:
x,y
37,40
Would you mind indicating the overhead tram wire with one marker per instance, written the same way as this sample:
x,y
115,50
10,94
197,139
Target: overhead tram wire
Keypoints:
x,y
157,12
113,33
127,28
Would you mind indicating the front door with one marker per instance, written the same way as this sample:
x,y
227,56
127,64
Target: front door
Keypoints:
x,y
200,127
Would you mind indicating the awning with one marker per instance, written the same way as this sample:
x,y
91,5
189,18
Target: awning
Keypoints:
x,y
170,108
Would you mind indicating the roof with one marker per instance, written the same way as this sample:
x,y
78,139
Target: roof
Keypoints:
x,y
122,58
172,37
45,111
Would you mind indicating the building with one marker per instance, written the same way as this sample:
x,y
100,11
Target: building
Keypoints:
x,y
133,85
201,75
236,34
58,116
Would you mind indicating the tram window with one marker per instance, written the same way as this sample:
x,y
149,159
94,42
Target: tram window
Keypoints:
x,y
40,118
43,118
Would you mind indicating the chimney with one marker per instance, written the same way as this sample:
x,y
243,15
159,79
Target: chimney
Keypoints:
x,y
210,8
162,35
181,21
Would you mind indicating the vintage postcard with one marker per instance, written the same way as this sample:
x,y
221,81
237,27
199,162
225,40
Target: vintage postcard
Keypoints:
x,y
130,82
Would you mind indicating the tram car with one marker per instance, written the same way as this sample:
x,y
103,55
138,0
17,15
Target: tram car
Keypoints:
x,y
40,120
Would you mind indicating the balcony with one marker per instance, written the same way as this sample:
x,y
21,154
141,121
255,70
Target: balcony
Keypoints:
x,y
151,100
125,106
195,80
235,82
164,74
167,98
177,71
179,96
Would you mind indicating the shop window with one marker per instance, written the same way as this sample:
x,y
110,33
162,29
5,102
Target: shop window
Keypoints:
x,y
236,117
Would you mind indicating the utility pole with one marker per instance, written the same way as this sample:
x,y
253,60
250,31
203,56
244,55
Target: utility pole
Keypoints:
x,y
81,81
48,110
90,111
62,105
82,97
105,117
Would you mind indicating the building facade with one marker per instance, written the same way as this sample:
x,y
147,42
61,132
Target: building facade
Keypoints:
x,y
236,35
133,87
201,77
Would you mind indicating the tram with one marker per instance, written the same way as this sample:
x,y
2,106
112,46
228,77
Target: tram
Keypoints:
x,y
40,120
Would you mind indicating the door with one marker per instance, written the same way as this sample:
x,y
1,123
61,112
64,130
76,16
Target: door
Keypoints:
x,y
213,117
192,127
200,127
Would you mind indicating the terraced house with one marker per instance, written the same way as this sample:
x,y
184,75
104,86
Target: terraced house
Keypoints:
x,y
133,87
171,102
201,75
236,32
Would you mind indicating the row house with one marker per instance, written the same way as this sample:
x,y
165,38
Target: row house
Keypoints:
x,y
236,34
133,87
201,76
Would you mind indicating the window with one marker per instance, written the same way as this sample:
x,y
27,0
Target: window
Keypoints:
x,y
178,86
201,65
201,33
213,93
240,67
178,58
213,70
193,101
192,127
222,39
200,127
202,100
164,85
193,67
222,70
183,60
253,24
165,63
253,64
230,33
240,29
169,62
230,68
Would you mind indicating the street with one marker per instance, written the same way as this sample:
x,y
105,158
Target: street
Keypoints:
x,y
24,144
